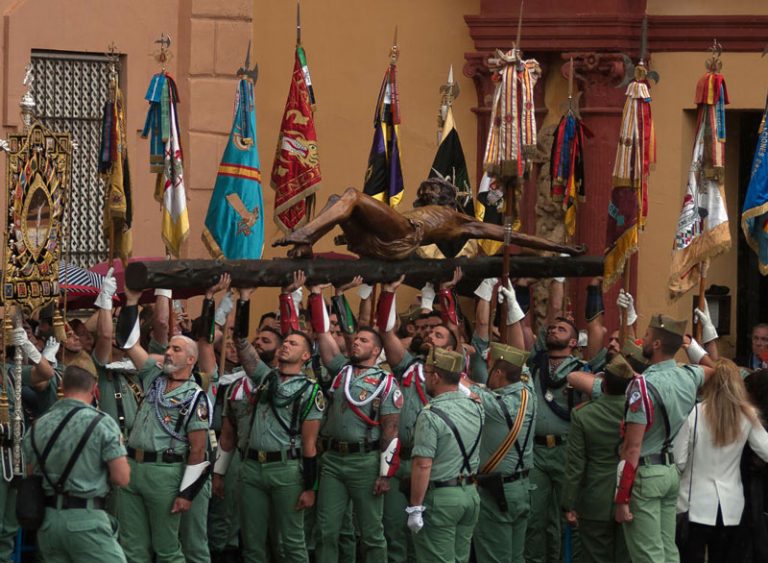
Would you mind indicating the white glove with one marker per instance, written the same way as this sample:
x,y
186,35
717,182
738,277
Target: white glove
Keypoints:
x,y
507,295
108,290
561,279
428,296
485,290
224,309
627,302
167,293
415,521
19,338
297,297
50,349
708,330
695,352
364,291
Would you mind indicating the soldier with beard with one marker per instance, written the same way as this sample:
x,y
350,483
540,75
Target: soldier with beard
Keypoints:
x,y
409,371
359,438
279,470
551,360
166,447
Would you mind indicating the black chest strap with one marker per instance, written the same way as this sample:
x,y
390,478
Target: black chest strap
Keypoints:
x,y
467,456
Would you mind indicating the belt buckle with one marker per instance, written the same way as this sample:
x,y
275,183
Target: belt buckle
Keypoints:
x,y
551,441
262,457
139,456
343,447
118,395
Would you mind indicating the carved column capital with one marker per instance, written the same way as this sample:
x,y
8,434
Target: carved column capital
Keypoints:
x,y
598,75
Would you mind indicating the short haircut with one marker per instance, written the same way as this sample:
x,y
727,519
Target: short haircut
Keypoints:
x,y
376,336
670,342
447,376
305,337
453,341
190,345
615,385
266,316
761,326
423,316
511,371
77,379
433,314
277,333
569,322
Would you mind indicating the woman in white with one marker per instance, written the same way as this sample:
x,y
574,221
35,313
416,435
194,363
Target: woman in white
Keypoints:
x,y
724,421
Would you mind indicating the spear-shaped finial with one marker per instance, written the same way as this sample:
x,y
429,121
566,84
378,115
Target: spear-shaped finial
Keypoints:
x,y
519,29
448,93
298,22
644,41
394,52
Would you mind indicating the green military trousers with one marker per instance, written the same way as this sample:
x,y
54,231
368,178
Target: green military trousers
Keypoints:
x,y
450,517
270,492
650,536
543,540
80,535
500,536
344,477
193,528
602,542
224,513
9,525
144,512
399,540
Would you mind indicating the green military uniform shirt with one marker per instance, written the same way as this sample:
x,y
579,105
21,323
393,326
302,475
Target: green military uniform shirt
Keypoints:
x,y
435,440
411,382
678,387
496,427
551,399
88,478
341,422
591,457
276,409
238,408
159,412
114,379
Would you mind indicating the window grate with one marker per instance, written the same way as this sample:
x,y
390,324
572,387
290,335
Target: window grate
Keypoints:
x,y
70,90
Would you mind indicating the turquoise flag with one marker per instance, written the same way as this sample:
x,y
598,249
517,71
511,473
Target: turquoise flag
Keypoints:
x,y
234,225
754,215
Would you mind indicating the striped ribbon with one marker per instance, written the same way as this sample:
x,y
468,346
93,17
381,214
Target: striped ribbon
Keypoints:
x,y
511,438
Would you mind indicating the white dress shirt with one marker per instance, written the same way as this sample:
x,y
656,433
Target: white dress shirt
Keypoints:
x,y
716,469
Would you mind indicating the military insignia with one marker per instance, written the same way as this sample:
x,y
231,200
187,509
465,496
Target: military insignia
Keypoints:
x,y
202,410
397,398
320,401
363,395
549,397
371,380
635,401
167,419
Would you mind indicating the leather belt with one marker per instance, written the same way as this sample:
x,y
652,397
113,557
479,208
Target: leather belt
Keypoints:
x,y
664,458
142,456
515,476
342,447
550,440
67,502
268,457
457,482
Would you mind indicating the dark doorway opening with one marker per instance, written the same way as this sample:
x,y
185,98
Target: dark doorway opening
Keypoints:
x,y
752,302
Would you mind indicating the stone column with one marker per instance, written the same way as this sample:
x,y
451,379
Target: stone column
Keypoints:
x,y
601,109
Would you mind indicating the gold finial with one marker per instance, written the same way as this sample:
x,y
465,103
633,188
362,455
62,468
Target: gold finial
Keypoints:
x,y
714,64
394,52
164,54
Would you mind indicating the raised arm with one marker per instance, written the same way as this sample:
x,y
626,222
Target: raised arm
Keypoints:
x,y
386,316
327,346
448,306
206,359
594,315
344,314
102,350
555,304
128,330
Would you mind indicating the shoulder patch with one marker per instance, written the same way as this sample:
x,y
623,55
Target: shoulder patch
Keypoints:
x,y
320,401
371,380
635,401
397,398
202,410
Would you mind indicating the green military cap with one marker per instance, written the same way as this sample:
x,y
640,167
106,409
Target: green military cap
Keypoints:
x,y
410,315
452,362
619,367
665,322
509,354
633,352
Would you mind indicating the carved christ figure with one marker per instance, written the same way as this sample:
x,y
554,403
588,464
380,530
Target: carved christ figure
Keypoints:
x,y
374,230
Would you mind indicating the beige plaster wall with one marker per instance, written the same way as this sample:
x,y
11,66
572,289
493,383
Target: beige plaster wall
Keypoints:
x,y
706,7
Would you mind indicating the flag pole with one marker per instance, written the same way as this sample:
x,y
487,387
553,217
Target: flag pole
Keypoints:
x,y
566,303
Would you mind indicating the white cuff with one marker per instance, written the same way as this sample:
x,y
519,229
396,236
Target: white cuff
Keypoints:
x,y
364,291
167,293
695,352
223,459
